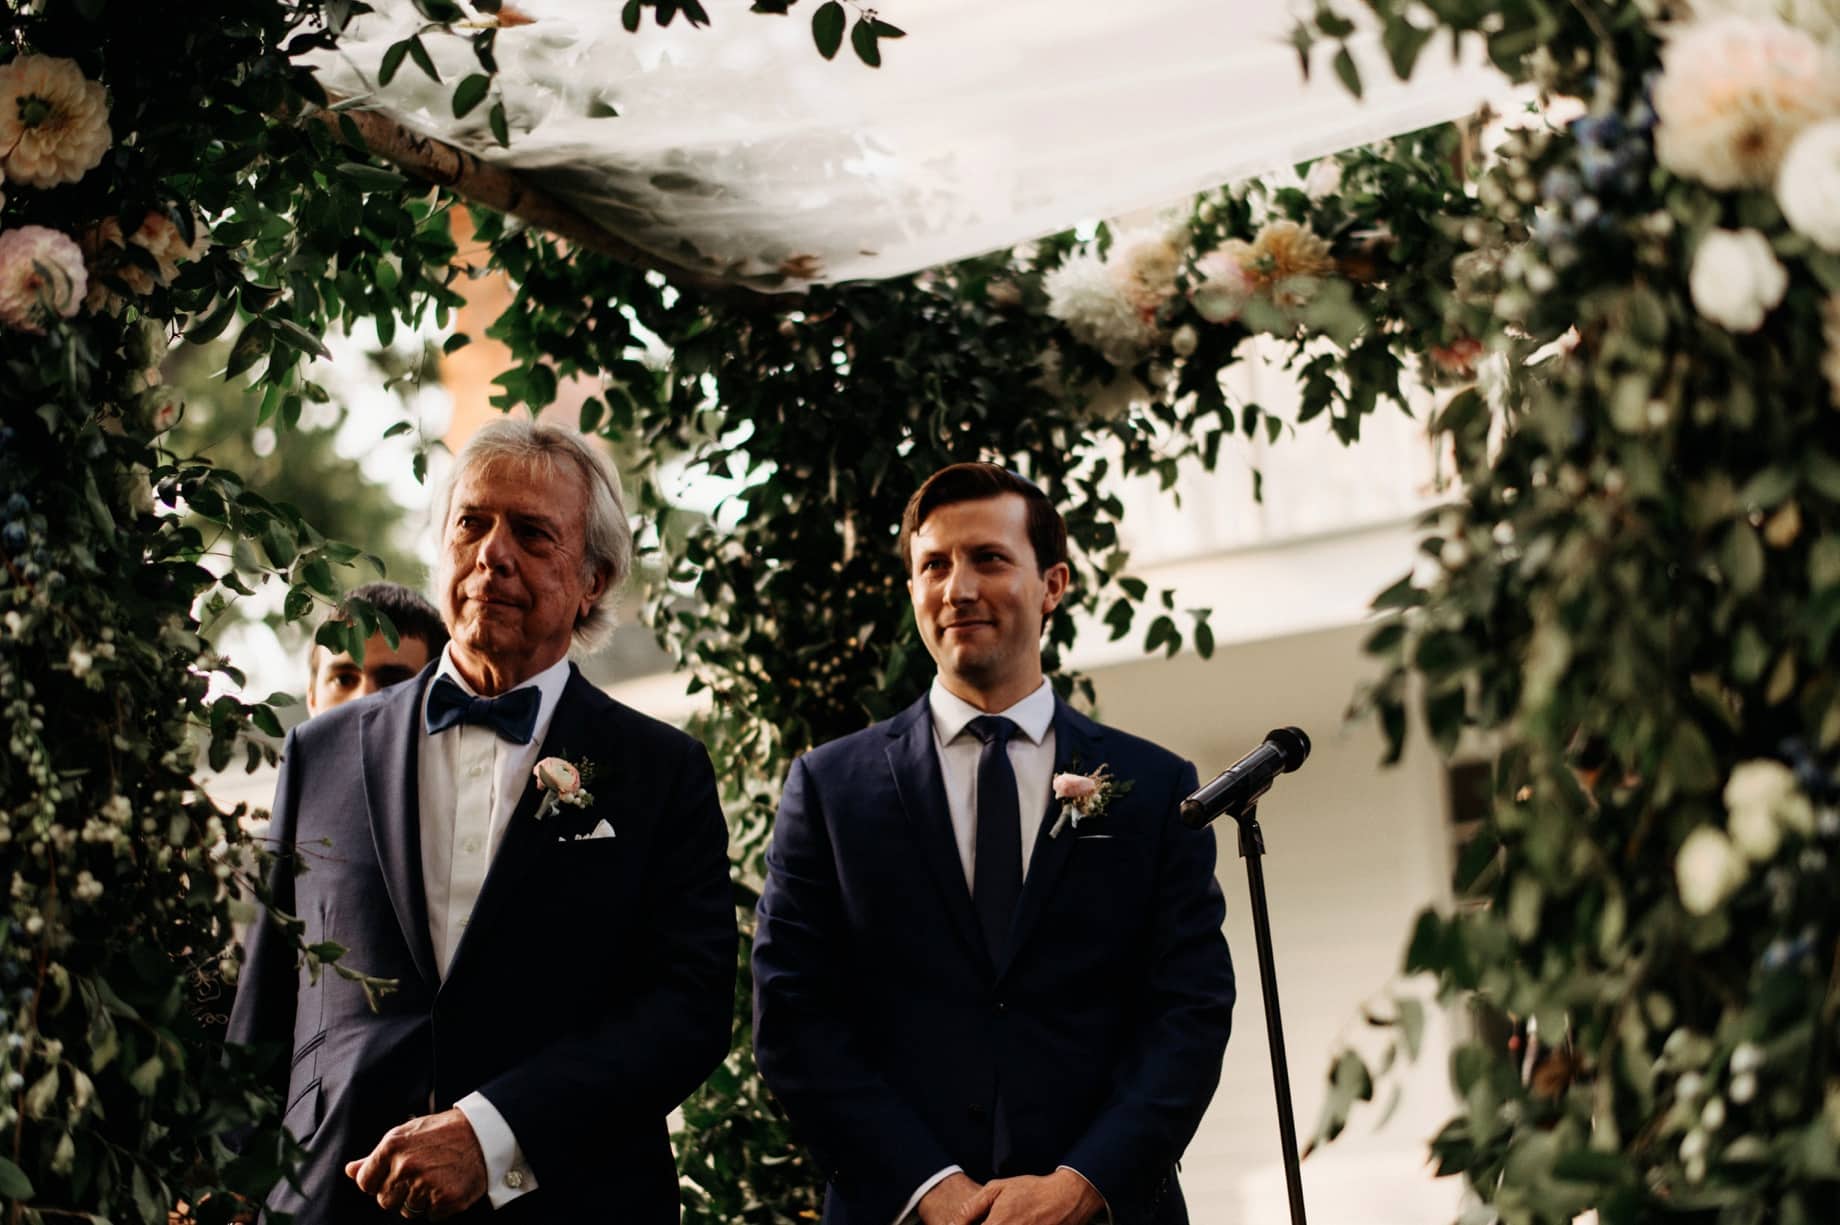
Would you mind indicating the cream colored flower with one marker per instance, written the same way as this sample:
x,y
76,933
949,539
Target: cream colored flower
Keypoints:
x,y
162,239
105,249
1764,801
1708,869
1808,189
1225,285
1755,832
1284,250
1734,92
1086,295
1144,264
41,277
1736,279
54,123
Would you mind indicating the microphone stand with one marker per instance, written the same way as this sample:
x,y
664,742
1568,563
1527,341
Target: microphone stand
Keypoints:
x,y
1252,850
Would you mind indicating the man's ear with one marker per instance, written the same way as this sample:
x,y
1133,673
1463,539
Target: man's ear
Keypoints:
x,y
1056,578
591,594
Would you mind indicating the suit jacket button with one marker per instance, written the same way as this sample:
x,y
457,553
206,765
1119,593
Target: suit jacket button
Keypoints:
x,y
1002,1005
977,1110
514,1179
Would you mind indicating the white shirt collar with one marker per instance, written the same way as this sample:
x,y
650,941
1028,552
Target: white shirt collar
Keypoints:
x,y
1033,715
549,684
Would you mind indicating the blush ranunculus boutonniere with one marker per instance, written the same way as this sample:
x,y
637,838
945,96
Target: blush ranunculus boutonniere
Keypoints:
x,y
561,781
1085,797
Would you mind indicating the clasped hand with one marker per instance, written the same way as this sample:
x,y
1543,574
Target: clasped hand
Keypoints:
x,y
1060,1198
430,1166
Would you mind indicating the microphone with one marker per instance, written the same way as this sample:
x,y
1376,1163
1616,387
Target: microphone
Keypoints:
x,y
1241,784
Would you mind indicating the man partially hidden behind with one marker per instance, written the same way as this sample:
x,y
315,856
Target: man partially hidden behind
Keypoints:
x,y
334,678
565,970
971,1010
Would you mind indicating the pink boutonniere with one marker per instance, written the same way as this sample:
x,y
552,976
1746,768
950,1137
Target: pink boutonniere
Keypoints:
x,y
561,782
1084,797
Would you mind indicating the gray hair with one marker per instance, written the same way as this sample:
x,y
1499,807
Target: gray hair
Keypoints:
x,y
608,538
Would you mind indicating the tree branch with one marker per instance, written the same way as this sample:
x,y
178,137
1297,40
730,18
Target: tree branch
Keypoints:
x,y
503,191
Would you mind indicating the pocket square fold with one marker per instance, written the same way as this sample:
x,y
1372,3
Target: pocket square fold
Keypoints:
x,y
601,830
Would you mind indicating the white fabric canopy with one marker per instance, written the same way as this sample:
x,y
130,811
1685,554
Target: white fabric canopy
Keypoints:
x,y
737,149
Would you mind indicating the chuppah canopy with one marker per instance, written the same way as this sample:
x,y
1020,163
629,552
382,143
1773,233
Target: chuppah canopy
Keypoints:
x,y
735,151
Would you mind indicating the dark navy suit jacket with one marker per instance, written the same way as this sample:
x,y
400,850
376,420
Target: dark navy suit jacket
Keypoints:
x,y
592,991
899,1047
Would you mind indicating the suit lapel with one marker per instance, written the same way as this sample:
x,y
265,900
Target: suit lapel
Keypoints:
x,y
388,744
1076,739
915,765
524,835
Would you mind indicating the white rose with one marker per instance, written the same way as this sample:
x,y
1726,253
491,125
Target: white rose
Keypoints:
x,y
1324,179
1185,340
1708,870
1734,91
1755,832
42,276
1736,279
1765,791
1808,187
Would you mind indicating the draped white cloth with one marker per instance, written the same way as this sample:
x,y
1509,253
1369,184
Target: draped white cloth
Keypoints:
x,y
737,149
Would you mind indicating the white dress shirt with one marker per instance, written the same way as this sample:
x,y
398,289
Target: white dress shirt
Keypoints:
x,y
1031,758
463,819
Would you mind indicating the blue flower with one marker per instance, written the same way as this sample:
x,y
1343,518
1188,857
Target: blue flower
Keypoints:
x,y
1600,131
15,537
1560,185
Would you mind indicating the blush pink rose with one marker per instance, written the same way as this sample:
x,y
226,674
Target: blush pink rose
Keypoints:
x,y
1075,787
559,776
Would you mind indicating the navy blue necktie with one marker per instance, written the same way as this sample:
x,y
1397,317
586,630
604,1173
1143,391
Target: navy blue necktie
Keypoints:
x,y
996,877
513,715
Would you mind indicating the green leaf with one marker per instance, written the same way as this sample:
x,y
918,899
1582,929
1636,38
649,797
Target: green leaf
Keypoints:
x,y
501,127
470,93
1741,558
1404,41
862,39
827,28
372,178
1411,1024
419,53
213,324
292,334
1204,637
442,11
401,427
14,1184
1346,70
249,348
279,543
629,16
392,61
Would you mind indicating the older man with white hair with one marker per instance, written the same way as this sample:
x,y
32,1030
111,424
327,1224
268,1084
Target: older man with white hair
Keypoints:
x,y
542,870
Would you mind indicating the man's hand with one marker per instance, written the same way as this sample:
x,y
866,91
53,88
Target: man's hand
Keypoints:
x,y
430,1166
950,1200
1061,1198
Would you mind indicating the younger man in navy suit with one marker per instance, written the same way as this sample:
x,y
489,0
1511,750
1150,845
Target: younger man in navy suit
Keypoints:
x,y
973,1010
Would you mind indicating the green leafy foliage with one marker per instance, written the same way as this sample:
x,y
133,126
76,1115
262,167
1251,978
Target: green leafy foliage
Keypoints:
x,y
1627,604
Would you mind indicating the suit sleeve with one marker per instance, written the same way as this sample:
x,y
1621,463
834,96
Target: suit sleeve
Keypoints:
x,y
870,1140
671,1028
1168,1073
269,978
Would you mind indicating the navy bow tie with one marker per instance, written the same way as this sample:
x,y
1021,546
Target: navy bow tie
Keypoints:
x,y
512,715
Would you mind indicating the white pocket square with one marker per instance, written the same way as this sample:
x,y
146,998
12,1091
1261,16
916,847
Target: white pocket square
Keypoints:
x,y
601,830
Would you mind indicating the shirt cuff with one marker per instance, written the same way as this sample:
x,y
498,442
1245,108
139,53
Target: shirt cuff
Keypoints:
x,y
911,1212
508,1176
1106,1215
